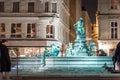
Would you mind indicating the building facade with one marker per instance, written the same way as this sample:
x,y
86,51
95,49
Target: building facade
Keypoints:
x,y
87,26
95,31
31,25
108,25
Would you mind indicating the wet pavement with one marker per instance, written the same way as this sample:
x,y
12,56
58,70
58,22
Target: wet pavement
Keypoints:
x,y
64,71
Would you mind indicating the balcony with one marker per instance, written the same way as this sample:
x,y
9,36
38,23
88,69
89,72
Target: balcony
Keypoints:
x,y
49,14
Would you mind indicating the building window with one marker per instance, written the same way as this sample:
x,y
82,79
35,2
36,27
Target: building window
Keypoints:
x,y
49,31
31,31
54,7
2,30
30,6
114,4
114,30
46,6
15,6
1,6
16,30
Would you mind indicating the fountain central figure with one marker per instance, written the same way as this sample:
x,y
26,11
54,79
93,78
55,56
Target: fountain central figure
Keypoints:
x,y
80,47
79,28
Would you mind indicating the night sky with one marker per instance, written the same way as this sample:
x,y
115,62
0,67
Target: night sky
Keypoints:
x,y
91,7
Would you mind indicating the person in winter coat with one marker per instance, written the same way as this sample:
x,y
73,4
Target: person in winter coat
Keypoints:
x,y
5,63
116,58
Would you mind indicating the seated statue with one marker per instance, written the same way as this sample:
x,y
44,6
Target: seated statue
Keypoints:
x,y
54,50
46,52
69,50
91,48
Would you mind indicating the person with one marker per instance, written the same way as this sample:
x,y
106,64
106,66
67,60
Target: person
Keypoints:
x,y
116,58
5,63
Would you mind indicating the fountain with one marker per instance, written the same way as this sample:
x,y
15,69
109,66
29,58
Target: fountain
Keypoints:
x,y
78,55
79,48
